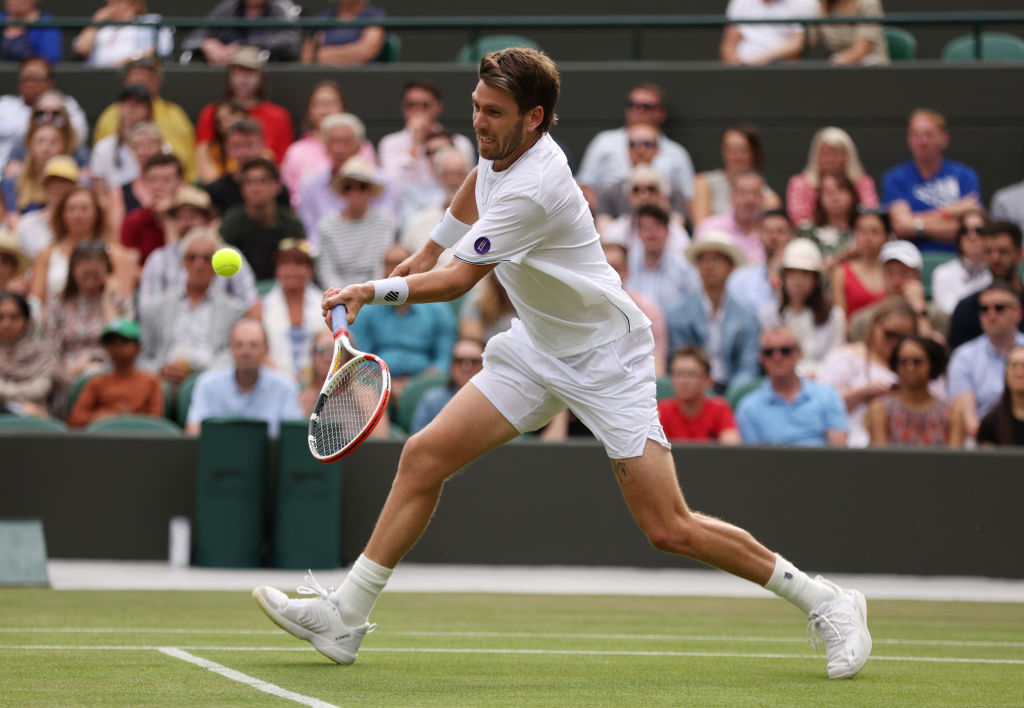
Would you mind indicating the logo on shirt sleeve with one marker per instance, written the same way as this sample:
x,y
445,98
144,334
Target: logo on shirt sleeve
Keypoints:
x,y
482,245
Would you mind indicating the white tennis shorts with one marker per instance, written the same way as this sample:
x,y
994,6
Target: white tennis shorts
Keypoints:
x,y
611,388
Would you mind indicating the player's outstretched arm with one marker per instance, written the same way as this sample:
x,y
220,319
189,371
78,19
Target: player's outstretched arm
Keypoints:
x,y
448,283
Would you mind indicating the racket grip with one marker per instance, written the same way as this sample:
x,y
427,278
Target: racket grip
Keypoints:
x,y
339,320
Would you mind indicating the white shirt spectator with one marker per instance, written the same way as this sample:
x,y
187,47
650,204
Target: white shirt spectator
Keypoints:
x,y
756,40
953,281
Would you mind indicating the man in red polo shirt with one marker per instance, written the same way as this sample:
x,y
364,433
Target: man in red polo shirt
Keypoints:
x,y
691,415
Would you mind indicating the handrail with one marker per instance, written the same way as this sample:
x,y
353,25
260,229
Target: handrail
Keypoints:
x,y
474,24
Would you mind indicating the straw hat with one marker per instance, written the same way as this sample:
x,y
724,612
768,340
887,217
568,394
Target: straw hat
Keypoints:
x,y
719,242
356,169
193,197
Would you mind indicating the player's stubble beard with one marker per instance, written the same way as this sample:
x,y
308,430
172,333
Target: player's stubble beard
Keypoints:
x,y
503,149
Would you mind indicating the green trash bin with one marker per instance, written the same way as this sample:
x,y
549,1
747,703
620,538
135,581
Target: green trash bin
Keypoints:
x,y
230,493
307,520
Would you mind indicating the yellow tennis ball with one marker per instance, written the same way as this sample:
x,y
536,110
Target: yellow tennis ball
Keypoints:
x,y
227,261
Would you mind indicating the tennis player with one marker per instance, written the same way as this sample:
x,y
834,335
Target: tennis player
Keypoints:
x,y
579,342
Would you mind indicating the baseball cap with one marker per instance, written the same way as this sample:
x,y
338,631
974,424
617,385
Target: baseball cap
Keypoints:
x,y
903,251
129,329
802,254
135,91
248,58
61,166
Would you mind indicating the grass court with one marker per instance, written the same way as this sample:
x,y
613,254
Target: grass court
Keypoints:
x,y
215,648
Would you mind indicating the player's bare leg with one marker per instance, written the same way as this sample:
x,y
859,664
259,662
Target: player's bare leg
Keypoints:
x,y
468,427
335,622
651,489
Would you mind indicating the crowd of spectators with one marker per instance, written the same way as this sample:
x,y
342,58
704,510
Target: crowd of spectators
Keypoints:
x,y
815,318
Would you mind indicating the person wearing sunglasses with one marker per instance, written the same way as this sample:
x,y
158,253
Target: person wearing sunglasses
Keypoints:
x,y
403,154
467,361
977,368
1003,256
645,185
606,160
860,370
911,414
352,241
787,409
968,273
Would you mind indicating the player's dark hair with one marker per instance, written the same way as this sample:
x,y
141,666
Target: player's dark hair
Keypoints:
x,y
933,350
161,159
530,76
1007,228
695,353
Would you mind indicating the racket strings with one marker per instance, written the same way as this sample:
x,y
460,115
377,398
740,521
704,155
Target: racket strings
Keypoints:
x,y
350,405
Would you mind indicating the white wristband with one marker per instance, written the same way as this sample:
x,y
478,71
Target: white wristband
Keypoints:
x,y
450,231
390,291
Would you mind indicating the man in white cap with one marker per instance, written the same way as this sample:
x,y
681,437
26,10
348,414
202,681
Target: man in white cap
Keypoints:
x,y
713,321
901,273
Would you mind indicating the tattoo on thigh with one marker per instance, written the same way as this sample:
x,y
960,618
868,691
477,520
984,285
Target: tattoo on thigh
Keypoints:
x,y
621,471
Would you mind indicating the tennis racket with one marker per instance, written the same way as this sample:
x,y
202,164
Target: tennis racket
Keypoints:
x,y
353,397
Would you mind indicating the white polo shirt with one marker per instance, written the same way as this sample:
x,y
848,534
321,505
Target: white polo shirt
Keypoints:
x,y
535,223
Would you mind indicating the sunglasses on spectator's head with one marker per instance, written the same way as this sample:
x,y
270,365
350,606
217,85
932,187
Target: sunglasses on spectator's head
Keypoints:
x,y
48,117
643,144
643,105
296,244
769,352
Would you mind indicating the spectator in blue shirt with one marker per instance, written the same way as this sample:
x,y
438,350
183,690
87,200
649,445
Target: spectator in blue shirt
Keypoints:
x,y
927,195
412,339
788,410
345,44
20,43
247,388
467,362
978,367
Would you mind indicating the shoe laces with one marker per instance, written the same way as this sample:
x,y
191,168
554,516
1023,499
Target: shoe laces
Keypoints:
x,y
825,626
314,588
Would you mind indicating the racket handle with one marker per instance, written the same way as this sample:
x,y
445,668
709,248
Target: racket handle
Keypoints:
x,y
339,320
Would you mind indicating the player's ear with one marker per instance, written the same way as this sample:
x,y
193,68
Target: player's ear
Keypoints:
x,y
534,117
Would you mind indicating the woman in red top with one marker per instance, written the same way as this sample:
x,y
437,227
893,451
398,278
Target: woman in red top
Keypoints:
x,y
246,85
691,415
858,282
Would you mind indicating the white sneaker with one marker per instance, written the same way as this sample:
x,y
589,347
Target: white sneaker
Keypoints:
x,y
842,624
317,620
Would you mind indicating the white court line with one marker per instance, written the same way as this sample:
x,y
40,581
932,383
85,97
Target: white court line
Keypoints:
x,y
518,635
537,652
258,684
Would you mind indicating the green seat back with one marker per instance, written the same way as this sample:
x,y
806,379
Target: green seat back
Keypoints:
x,y
307,519
902,45
139,424
12,424
231,480
76,390
995,46
664,388
411,395
392,49
473,52
264,286
735,395
183,399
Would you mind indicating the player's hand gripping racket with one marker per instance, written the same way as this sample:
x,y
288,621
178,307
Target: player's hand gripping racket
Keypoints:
x,y
353,397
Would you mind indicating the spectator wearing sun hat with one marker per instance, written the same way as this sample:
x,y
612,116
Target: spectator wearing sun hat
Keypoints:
x,y
126,390
803,305
34,232
902,264
352,242
725,329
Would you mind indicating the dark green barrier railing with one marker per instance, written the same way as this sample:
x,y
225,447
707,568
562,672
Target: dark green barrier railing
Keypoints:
x,y
976,22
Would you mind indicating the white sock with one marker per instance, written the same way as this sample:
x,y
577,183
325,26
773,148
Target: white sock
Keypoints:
x,y
791,583
357,595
